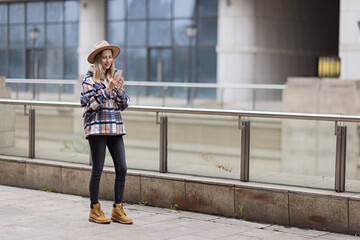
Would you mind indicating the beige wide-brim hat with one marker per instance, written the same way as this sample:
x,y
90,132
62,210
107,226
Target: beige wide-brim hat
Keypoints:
x,y
100,46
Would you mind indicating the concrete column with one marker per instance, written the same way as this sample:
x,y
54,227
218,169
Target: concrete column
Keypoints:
x,y
349,39
92,26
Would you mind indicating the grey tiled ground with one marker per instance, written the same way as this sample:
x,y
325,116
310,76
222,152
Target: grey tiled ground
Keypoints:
x,y
31,214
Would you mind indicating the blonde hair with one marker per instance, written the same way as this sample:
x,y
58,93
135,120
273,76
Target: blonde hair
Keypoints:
x,y
100,72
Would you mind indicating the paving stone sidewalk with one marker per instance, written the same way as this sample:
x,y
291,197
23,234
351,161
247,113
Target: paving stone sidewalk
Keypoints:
x,y
31,214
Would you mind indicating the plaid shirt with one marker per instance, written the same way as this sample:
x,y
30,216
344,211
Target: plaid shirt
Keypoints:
x,y
100,110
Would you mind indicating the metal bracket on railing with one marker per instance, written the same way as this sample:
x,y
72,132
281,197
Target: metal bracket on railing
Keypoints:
x,y
244,126
25,111
340,164
163,144
31,115
157,118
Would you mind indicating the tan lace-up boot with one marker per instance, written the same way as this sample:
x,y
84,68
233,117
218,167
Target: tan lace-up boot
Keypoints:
x,y
97,215
118,215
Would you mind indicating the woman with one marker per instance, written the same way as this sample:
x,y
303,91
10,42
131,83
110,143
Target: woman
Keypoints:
x,y
102,99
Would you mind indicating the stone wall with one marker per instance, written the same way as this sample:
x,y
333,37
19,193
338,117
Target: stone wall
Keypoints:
x,y
311,145
7,113
289,206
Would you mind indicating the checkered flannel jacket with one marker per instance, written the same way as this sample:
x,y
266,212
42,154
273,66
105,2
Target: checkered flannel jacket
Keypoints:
x,y
100,110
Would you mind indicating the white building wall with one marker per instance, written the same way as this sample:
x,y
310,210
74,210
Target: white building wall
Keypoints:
x,y
349,39
265,41
91,29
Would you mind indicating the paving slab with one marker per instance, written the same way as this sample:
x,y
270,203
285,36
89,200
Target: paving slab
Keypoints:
x,y
33,214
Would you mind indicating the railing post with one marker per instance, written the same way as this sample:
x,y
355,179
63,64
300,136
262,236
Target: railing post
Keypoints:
x,y
340,165
245,150
163,144
31,133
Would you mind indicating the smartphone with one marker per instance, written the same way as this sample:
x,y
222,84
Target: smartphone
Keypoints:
x,y
118,74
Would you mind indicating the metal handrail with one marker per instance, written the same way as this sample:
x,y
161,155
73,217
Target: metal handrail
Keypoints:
x,y
244,126
240,113
157,84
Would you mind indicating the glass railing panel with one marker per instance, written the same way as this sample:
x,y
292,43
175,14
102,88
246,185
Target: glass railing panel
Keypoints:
x,y
204,145
293,152
14,131
141,141
59,135
42,92
352,177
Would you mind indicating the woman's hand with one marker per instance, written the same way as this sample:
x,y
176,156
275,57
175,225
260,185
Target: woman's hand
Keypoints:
x,y
113,83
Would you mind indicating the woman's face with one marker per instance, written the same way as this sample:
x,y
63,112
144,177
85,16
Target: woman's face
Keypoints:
x,y
106,59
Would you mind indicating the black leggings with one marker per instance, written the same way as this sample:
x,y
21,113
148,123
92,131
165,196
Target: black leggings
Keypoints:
x,y
116,147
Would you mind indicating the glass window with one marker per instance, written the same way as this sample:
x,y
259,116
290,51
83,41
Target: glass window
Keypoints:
x,y
54,35
181,64
3,62
115,33
17,35
3,36
179,28
3,13
184,8
208,8
136,32
71,63
71,34
207,64
54,63
17,63
136,9
17,13
136,64
208,31
159,32
35,12
120,61
71,11
40,41
160,8
115,10
54,11
40,58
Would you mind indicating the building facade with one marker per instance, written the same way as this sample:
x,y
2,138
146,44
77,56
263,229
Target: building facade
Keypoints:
x,y
236,41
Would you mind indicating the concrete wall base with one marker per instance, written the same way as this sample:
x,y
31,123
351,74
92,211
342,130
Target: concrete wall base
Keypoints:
x,y
284,205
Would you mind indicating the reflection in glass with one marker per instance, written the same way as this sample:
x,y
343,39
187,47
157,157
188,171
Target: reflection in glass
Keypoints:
x,y
115,9
35,12
54,12
115,33
181,65
160,34
184,8
208,8
3,36
71,63
3,14
54,63
3,62
17,63
179,28
136,64
54,35
40,41
40,55
160,8
71,34
206,71
17,13
17,35
159,59
136,9
208,31
71,11
136,32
